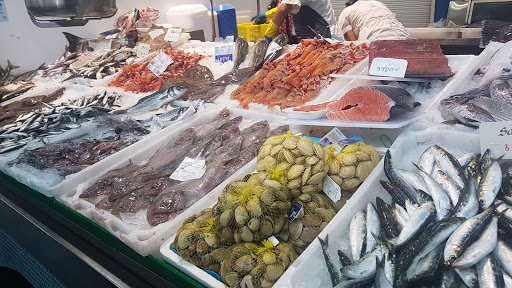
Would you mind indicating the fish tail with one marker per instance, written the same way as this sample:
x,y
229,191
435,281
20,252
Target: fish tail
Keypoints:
x,y
73,41
493,30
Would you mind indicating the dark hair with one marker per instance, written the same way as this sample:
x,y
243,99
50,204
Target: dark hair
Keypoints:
x,y
350,2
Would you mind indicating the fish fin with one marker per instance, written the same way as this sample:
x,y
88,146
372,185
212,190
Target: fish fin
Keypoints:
x,y
451,122
381,239
493,30
323,241
11,66
416,104
119,111
418,166
73,41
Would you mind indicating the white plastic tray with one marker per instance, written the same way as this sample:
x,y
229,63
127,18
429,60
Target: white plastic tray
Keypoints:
x,y
147,240
460,64
310,270
464,82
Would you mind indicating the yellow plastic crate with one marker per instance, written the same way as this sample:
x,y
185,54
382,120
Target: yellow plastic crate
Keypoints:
x,y
263,29
249,31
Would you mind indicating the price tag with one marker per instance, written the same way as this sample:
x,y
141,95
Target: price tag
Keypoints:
x,y
273,240
388,67
331,189
223,54
497,136
160,63
272,48
112,36
172,34
345,142
143,50
229,39
3,12
294,211
332,137
189,169
156,33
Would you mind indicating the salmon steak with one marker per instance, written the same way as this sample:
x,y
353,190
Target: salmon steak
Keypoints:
x,y
371,103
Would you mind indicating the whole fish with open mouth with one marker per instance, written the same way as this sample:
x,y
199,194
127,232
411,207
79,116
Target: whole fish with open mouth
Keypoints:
x,y
280,40
77,44
241,50
258,53
156,100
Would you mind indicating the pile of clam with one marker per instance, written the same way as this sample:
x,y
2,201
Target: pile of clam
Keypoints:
x,y
314,216
250,265
199,242
251,209
298,163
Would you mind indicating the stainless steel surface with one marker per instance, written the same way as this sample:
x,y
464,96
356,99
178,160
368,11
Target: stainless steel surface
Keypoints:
x,y
93,264
258,11
213,20
71,9
458,11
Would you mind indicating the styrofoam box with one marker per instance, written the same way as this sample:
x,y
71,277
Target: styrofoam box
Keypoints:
x,y
433,33
310,270
464,81
141,237
460,64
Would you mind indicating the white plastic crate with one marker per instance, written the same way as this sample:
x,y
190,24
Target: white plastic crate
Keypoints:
x,y
147,240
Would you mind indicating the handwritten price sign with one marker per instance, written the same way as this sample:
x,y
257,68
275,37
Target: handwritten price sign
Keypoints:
x,y
388,67
497,136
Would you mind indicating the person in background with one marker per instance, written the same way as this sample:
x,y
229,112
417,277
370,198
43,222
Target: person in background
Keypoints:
x,y
372,19
287,26
310,18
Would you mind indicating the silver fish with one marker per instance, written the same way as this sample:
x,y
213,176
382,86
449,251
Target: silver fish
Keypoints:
x,y
486,160
469,276
471,114
157,99
414,179
501,90
441,199
507,280
381,281
399,216
465,159
416,224
280,40
427,160
335,276
503,253
467,233
357,235
480,248
425,266
241,50
372,227
500,111
448,185
365,266
396,179
489,185
489,272
449,164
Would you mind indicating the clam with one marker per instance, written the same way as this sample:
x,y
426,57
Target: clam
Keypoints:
x,y
319,150
349,184
312,220
273,272
246,282
273,184
254,224
334,167
246,234
253,207
276,150
347,172
290,143
295,171
244,264
305,198
185,239
280,156
324,214
266,284
310,189
266,228
276,140
267,197
318,167
269,163
295,183
312,160
316,179
297,153
264,151
212,239
218,254
269,258
227,235
337,179
288,156
226,218
283,166
202,247
300,160
294,193
206,260
241,215
231,279
309,233
185,254
306,175
284,259
306,146
361,156
278,224
257,271
295,229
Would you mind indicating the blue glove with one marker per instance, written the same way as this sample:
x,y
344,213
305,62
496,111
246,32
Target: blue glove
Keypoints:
x,y
263,18
268,39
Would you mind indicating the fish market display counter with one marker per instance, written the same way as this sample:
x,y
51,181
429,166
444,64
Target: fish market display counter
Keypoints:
x,y
74,248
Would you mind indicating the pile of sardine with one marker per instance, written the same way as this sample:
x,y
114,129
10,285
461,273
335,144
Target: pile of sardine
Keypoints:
x,y
98,100
223,146
46,122
448,226
110,134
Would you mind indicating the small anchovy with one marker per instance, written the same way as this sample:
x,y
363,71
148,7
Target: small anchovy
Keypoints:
x,y
414,179
484,245
450,279
357,235
373,227
412,207
361,282
365,266
344,259
427,160
503,253
489,185
335,276
401,215
441,199
157,99
465,159
489,272
381,281
425,267
486,161
388,222
416,224
449,164
466,234
448,185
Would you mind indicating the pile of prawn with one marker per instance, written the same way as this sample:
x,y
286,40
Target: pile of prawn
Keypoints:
x,y
138,78
298,77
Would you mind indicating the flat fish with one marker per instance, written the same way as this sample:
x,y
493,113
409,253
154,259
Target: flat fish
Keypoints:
x,y
370,103
199,72
241,51
157,99
258,53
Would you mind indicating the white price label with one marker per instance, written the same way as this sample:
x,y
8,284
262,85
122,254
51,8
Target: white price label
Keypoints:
x,y
160,63
173,34
388,67
3,12
332,137
273,240
229,38
156,33
223,54
143,50
497,136
189,169
112,36
331,189
272,47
